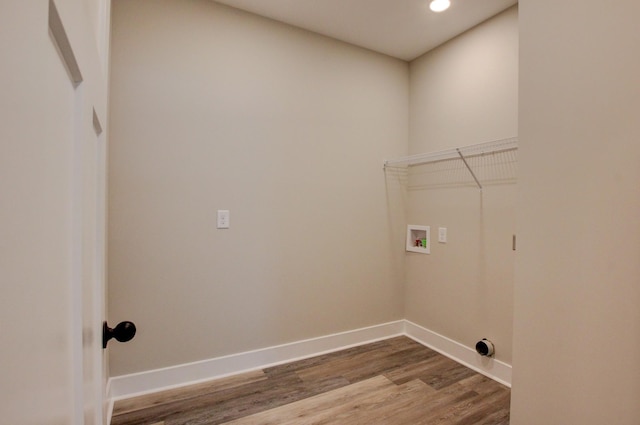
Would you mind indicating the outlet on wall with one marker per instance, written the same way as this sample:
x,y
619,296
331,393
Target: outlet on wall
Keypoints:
x,y
442,234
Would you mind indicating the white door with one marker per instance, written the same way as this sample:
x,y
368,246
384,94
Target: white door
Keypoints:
x,y
51,226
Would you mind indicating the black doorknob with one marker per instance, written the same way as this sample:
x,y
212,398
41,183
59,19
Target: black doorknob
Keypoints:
x,y
123,332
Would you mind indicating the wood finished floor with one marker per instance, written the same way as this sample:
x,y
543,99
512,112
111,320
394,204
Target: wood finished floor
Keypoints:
x,y
395,381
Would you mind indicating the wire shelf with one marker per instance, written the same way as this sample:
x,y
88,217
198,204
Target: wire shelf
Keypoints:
x,y
454,153
466,154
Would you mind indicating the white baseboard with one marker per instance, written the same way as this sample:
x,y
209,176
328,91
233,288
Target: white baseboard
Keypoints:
x,y
186,374
488,366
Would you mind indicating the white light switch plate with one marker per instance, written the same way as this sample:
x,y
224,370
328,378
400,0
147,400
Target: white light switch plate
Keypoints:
x,y
442,234
223,219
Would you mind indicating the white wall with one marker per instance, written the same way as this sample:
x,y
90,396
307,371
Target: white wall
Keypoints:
x,y
211,109
466,91
462,93
577,321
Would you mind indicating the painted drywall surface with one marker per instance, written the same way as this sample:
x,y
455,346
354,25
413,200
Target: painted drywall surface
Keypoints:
x,y
577,321
466,91
462,93
211,109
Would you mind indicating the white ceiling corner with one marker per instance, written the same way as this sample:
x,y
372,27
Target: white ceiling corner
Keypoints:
x,y
404,29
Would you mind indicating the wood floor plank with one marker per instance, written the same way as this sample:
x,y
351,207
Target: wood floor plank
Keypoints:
x,y
437,409
482,385
480,409
186,392
227,400
382,408
323,359
365,365
306,410
459,401
364,402
273,395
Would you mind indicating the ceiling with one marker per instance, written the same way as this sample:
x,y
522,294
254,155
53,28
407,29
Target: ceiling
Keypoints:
x,y
404,29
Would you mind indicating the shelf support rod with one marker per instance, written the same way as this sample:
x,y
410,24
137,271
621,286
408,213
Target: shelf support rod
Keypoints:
x,y
469,168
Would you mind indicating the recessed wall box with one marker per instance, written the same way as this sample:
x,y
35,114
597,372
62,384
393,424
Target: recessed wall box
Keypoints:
x,y
419,239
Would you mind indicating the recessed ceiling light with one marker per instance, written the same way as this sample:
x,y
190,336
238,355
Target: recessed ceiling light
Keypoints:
x,y
439,5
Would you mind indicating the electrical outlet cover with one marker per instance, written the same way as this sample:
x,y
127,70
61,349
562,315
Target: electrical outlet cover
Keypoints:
x,y
442,234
